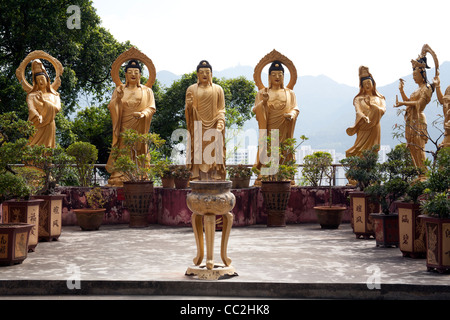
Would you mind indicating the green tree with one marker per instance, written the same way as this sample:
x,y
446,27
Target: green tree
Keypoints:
x,y
86,53
93,125
240,96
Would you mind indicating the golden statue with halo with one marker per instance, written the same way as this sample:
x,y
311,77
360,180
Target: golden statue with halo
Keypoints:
x,y
276,105
43,100
416,134
132,105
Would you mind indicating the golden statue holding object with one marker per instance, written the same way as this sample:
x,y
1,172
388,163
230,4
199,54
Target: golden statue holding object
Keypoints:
x,y
276,105
42,97
416,134
132,105
370,106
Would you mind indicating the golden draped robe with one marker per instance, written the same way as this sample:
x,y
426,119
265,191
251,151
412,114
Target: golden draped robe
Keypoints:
x,y
207,108
416,125
367,134
123,119
45,131
272,117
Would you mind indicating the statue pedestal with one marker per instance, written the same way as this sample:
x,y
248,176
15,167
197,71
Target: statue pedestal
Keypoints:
x,y
218,272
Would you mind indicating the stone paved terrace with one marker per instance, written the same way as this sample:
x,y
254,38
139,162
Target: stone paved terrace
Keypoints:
x,y
300,261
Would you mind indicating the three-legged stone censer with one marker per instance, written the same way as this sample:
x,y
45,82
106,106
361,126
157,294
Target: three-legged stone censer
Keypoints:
x,y
207,200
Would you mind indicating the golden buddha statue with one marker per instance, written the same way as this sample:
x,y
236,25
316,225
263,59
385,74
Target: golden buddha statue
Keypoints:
x,y
370,106
205,121
276,105
132,106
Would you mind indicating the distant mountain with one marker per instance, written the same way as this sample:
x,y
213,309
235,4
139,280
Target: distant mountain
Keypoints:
x,y
326,107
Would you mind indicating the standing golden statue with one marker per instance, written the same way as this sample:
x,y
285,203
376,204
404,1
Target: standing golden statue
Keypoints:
x,y
370,106
276,105
205,121
416,134
42,97
132,105
444,100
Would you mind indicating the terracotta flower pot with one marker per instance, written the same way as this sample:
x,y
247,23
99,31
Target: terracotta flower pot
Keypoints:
x,y
181,183
89,219
329,217
240,183
168,183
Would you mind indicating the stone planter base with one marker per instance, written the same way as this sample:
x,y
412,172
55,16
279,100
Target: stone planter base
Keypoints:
x,y
24,211
438,243
14,242
50,217
138,199
411,231
386,229
276,197
362,207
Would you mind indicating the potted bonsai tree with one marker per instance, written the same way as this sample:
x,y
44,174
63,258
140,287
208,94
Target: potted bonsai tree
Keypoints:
x,y
163,169
239,175
363,170
138,189
276,187
182,175
53,164
85,155
317,166
436,213
91,217
15,192
396,175
18,230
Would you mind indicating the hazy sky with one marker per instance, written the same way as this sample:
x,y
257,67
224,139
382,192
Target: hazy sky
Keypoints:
x,y
330,37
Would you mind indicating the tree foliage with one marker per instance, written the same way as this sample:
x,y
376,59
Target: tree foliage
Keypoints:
x,y
86,53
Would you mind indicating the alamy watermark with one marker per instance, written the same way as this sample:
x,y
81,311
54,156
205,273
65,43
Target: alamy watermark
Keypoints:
x,y
374,280
74,21
213,152
74,280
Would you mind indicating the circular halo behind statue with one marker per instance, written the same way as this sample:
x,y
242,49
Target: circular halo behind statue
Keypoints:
x,y
130,54
39,54
274,55
426,49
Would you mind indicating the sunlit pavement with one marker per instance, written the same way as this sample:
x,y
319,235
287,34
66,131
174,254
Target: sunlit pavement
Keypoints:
x,y
296,262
